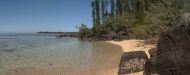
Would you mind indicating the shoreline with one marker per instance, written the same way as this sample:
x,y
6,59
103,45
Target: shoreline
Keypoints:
x,y
134,45
52,69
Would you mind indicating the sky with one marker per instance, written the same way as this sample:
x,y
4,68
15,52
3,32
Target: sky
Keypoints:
x,y
28,16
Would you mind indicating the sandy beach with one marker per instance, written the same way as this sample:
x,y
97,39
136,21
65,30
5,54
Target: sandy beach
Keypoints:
x,y
102,69
134,45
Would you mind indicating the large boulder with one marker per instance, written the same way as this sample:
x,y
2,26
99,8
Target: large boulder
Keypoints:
x,y
132,62
150,65
173,56
153,55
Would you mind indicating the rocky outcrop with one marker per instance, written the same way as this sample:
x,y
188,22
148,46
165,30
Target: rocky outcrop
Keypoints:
x,y
173,53
150,65
153,55
132,62
173,56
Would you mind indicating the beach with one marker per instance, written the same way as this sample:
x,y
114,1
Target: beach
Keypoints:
x,y
47,55
134,45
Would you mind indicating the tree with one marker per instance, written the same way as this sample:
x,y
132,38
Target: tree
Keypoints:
x,y
93,13
97,11
103,10
84,31
112,11
139,9
141,18
125,7
118,8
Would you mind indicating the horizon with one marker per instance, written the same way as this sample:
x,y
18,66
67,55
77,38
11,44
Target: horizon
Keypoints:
x,y
33,32
31,16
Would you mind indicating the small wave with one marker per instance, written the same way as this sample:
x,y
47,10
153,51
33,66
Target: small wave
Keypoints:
x,y
8,50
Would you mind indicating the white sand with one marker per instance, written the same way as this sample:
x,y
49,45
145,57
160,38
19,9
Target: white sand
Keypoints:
x,y
134,45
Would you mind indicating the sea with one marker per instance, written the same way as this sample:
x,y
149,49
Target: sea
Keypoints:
x,y
45,54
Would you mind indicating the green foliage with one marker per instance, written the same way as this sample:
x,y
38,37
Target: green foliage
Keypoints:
x,y
97,12
93,12
133,18
157,18
117,24
84,31
112,11
113,28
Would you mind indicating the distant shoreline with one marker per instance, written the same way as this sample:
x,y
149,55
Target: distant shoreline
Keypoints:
x,y
56,34
61,34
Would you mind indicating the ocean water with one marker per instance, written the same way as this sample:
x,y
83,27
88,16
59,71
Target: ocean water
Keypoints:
x,y
48,55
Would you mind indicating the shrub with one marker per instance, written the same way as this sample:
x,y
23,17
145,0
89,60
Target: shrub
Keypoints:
x,y
84,31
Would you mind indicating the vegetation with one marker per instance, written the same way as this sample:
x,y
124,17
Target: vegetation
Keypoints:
x,y
84,32
120,19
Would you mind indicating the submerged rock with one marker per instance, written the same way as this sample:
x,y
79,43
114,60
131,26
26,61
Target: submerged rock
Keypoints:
x,y
174,48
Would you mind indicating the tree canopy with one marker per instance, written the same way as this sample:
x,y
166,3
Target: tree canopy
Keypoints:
x,y
134,18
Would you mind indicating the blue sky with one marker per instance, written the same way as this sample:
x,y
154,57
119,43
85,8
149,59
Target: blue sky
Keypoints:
x,y
43,15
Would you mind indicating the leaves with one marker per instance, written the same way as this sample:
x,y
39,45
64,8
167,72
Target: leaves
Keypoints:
x,y
135,18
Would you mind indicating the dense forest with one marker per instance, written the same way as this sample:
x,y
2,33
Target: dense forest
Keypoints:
x,y
124,19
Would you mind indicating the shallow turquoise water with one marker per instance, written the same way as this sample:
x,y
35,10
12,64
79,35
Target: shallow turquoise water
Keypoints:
x,y
48,51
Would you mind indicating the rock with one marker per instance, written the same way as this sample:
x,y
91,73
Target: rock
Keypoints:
x,y
150,69
174,48
132,62
153,55
153,52
150,65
